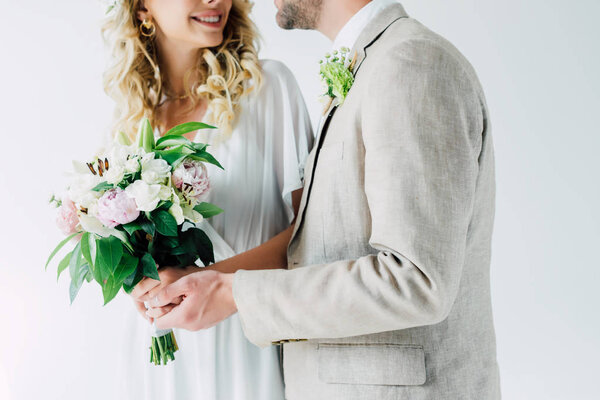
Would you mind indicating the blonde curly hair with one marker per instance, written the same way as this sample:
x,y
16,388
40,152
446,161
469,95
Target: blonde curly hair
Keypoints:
x,y
225,73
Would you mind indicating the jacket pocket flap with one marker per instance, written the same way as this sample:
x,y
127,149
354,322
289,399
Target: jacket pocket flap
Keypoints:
x,y
371,364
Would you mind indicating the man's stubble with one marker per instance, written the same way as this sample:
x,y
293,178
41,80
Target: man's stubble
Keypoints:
x,y
299,14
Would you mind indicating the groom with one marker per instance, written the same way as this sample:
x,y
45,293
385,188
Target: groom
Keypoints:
x,y
386,294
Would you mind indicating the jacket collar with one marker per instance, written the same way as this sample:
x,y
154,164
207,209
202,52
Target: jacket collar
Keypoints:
x,y
374,29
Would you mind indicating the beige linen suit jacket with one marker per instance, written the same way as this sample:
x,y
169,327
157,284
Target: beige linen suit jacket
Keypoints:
x,y
387,294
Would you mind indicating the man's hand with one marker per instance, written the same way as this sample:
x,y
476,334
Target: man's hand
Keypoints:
x,y
148,288
207,300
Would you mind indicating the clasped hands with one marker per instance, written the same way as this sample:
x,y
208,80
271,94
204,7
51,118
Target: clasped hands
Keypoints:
x,y
190,298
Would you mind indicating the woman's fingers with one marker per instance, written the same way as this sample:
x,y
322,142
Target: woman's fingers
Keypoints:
x,y
160,311
143,287
142,310
155,290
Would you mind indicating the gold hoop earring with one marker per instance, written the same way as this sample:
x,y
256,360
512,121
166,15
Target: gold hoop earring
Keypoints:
x,y
147,28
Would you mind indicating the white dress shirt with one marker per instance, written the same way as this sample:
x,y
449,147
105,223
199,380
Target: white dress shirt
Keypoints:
x,y
348,35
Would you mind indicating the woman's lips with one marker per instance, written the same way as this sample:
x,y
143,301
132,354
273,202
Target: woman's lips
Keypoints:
x,y
210,20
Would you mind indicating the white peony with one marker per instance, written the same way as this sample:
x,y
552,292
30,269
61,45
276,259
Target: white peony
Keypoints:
x,y
154,170
146,196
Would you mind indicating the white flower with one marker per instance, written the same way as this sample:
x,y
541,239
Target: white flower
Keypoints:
x,y
80,190
115,174
132,165
177,212
154,170
146,196
93,225
191,214
166,192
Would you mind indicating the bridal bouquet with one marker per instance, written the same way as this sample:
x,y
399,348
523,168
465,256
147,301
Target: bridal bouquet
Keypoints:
x,y
133,207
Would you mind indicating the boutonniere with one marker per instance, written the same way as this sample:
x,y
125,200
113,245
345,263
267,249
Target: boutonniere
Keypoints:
x,y
336,74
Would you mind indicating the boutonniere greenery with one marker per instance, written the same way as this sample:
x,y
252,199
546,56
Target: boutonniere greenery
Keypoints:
x,y
336,74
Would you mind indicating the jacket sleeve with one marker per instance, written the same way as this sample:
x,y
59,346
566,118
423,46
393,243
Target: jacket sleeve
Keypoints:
x,y
422,133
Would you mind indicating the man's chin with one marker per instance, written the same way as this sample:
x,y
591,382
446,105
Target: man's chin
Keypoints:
x,y
283,21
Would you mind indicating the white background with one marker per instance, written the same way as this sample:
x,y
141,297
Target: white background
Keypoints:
x,y
539,64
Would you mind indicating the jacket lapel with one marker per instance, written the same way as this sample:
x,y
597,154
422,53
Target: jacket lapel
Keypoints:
x,y
369,35
373,31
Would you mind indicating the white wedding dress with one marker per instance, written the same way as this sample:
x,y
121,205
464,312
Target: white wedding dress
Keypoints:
x,y
263,163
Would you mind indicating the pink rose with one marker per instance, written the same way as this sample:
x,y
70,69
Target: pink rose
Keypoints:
x,y
191,177
116,207
67,219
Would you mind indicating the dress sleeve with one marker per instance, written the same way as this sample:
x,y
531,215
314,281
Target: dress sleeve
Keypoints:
x,y
287,127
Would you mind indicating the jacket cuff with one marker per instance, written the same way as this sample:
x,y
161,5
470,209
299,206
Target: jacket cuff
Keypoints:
x,y
251,294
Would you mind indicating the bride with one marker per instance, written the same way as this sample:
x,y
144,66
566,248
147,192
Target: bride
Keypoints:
x,y
177,61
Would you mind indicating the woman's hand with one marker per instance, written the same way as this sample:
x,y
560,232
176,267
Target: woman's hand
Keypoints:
x,y
147,288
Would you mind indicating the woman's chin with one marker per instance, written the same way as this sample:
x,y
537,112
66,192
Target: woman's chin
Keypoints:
x,y
206,41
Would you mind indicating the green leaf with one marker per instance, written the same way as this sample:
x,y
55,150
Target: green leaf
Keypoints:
x,y
63,265
199,147
76,284
206,157
110,289
143,224
173,140
103,186
173,154
149,267
88,247
126,267
132,280
131,227
167,242
98,271
109,252
149,228
208,210
123,238
113,284
188,127
195,244
60,246
75,262
164,205
165,223
175,164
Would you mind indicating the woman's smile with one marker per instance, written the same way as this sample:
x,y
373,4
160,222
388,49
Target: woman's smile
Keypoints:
x,y
211,19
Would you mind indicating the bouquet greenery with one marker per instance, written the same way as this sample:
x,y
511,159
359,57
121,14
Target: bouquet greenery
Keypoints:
x,y
133,207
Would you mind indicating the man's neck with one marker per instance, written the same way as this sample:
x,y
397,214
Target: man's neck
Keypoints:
x,y
336,13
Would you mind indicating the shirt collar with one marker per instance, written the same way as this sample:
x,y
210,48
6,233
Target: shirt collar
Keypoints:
x,y
353,28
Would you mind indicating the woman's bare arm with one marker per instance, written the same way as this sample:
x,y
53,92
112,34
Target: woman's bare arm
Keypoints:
x,y
270,255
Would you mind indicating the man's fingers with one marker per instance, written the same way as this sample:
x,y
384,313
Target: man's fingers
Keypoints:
x,y
173,319
170,293
156,290
160,311
142,287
